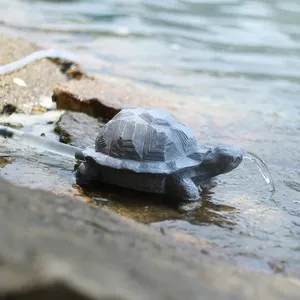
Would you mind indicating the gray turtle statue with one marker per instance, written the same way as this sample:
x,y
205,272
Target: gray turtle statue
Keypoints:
x,y
147,149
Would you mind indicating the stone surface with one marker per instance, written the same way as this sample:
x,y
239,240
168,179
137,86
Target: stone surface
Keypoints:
x,y
78,129
30,87
59,248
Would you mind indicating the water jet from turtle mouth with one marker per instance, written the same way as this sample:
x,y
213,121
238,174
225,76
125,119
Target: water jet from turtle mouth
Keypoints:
x,y
264,170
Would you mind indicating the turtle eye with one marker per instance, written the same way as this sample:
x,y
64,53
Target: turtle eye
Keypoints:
x,y
238,159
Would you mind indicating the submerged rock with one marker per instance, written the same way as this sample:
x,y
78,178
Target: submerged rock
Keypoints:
x,y
71,250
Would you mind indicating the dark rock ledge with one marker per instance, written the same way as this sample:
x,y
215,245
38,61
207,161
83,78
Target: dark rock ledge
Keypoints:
x,y
58,248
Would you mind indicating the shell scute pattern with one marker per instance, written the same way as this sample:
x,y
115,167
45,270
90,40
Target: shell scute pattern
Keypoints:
x,y
146,140
138,138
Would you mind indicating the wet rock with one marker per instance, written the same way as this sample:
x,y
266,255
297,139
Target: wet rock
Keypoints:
x,y
33,167
9,109
188,239
4,160
53,247
25,89
78,129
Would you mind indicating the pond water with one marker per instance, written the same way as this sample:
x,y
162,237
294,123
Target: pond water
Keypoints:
x,y
240,60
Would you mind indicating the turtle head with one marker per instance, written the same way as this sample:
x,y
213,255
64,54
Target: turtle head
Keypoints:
x,y
222,159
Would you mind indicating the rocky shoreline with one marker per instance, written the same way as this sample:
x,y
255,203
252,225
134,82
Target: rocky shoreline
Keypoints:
x,y
53,246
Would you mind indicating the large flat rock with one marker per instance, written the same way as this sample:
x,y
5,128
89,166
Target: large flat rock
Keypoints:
x,y
58,248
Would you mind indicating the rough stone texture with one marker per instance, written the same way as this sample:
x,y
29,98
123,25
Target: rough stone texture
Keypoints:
x,y
40,77
58,248
78,129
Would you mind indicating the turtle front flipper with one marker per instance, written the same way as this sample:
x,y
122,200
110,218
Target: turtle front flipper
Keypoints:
x,y
208,184
183,188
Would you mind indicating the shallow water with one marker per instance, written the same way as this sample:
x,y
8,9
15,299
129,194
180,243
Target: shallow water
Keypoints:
x,y
240,60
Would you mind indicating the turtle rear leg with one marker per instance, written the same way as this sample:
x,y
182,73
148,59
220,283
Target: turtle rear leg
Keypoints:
x,y
87,173
183,189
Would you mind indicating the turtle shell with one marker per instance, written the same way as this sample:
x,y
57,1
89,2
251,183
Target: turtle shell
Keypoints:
x,y
146,140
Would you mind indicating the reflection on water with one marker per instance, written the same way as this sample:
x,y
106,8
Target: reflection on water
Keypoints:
x,y
150,208
240,60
